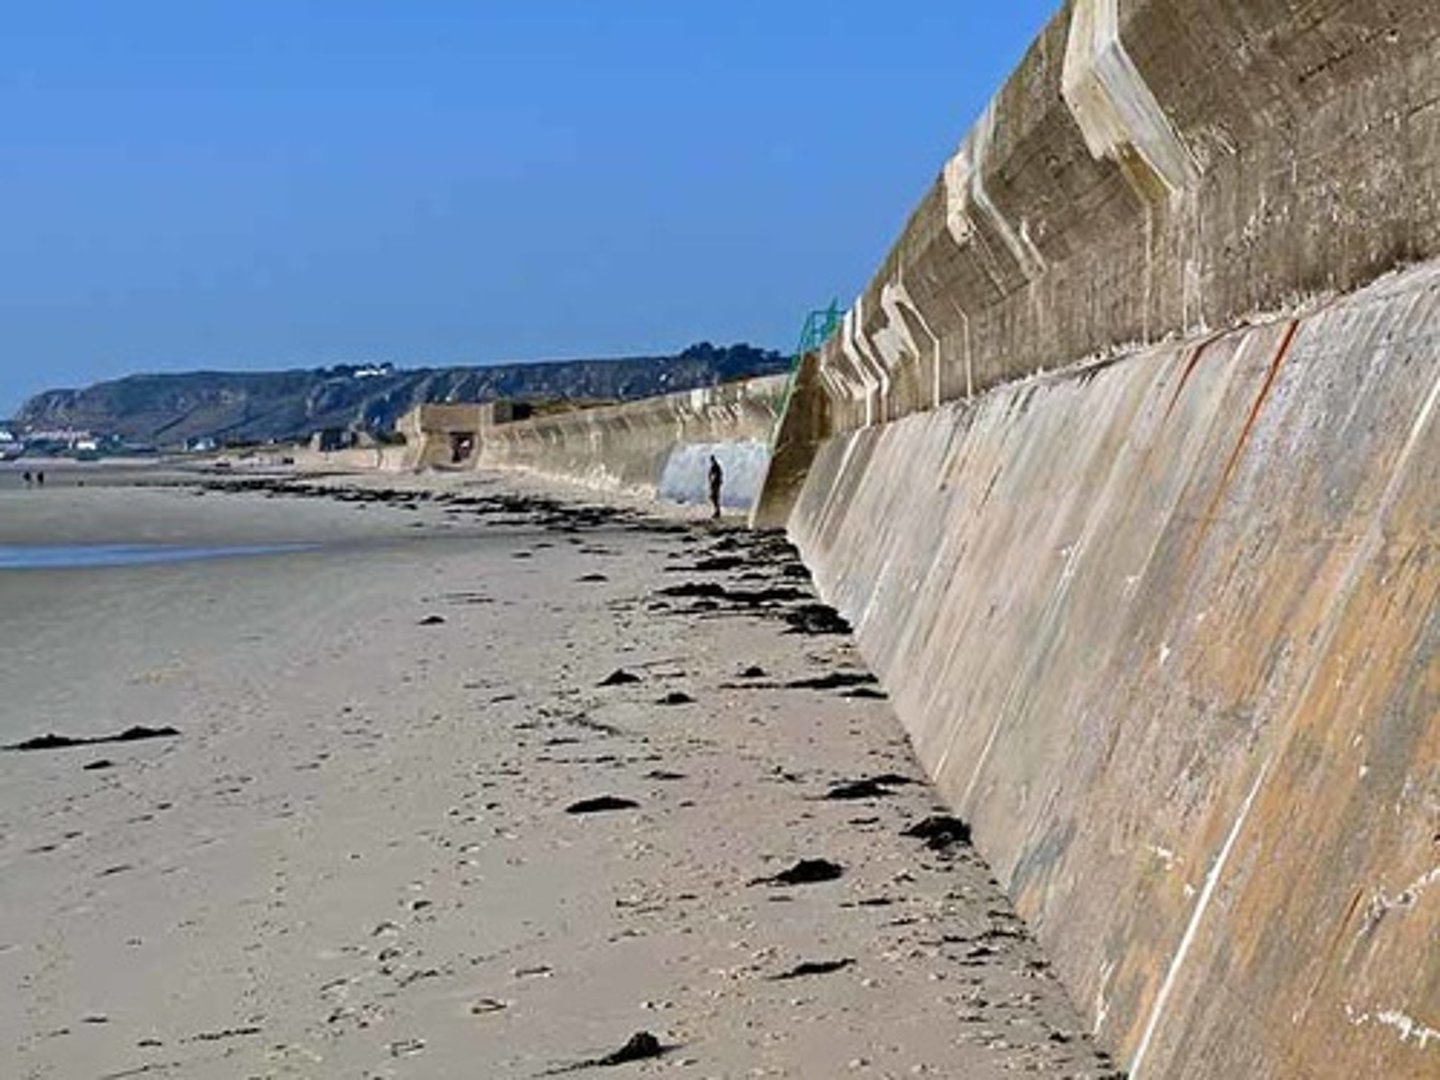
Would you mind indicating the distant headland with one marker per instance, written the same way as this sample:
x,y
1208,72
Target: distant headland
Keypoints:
x,y
235,407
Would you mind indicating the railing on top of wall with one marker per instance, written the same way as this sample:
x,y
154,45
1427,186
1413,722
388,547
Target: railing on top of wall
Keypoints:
x,y
820,325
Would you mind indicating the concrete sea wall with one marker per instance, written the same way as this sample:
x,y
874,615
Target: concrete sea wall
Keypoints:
x,y
360,459
1164,623
654,448
1166,633
1151,170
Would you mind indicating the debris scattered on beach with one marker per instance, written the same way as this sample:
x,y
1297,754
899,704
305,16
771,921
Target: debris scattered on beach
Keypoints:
x,y
63,742
815,619
804,872
642,1046
709,589
743,792
719,563
405,1047
870,787
939,831
639,1047
834,680
601,804
225,1033
814,967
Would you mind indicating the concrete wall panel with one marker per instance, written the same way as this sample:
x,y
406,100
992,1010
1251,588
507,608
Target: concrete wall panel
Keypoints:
x,y
648,448
1165,631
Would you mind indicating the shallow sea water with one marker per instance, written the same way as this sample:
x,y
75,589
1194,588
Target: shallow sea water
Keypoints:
x,y
90,556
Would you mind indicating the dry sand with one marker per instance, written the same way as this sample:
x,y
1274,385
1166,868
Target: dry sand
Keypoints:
x,y
356,859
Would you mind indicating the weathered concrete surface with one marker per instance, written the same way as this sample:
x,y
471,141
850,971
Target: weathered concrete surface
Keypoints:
x,y
378,458
1155,169
642,447
686,476
443,435
804,424
1166,631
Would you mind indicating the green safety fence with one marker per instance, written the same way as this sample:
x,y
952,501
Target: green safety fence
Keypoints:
x,y
820,326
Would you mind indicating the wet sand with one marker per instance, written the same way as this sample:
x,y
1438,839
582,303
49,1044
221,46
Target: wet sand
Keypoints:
x,y
414,824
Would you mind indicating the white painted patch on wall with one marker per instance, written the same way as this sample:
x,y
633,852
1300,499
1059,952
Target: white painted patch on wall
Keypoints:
x,y
1408,1027
686,476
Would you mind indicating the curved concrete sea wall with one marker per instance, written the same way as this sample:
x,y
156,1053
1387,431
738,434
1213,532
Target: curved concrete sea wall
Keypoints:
x,y
1152,169
654,448
1164,623
1166,633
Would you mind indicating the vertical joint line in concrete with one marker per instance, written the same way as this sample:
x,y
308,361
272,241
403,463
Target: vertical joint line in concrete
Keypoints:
x,y
1201,904
969,362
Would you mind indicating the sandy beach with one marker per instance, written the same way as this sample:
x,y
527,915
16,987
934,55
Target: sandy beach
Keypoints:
x,y
474,784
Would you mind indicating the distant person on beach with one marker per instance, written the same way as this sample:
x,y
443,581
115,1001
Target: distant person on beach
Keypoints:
x,y
27,477
40,479
717,478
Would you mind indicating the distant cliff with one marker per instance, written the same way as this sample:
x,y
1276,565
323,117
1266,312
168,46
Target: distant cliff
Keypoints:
x,y
233,406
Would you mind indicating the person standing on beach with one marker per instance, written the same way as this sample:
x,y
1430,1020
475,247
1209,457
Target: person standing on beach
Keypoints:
x,y
717,478
40,479
27,477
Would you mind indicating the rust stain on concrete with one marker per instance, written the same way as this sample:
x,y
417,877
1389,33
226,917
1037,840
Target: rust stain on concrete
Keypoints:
x,y
1195,354
1265,388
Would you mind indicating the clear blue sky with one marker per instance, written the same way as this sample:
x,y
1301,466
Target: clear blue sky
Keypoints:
x,y
283,183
